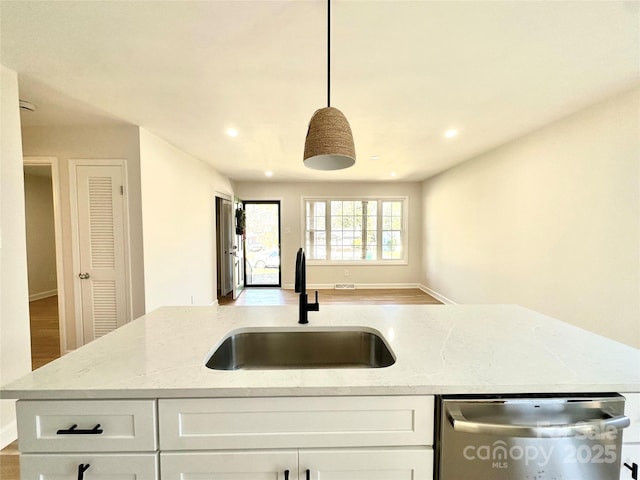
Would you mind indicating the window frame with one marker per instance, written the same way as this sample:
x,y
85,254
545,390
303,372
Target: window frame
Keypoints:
x,y
328,199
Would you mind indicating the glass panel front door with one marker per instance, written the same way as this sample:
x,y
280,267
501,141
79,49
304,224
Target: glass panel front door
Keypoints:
x,y
262,256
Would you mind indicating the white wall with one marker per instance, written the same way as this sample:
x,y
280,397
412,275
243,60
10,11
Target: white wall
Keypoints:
x,y
15,346
41,241
93,142
178,215
550,221
290,196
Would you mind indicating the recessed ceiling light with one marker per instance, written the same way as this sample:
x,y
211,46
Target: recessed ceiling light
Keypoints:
x,y
393,174
375,157
268,173
232,132
452,132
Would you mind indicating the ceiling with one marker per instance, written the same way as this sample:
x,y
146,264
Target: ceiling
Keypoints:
x,y
403,72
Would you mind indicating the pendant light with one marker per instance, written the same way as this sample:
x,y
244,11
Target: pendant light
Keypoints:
x,y
329,142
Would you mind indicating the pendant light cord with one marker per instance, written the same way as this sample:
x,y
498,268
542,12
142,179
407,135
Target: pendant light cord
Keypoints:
x,y
328,53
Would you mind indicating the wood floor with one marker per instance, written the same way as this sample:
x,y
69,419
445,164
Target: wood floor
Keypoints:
x,y
278,296
45,331
45,338
45,347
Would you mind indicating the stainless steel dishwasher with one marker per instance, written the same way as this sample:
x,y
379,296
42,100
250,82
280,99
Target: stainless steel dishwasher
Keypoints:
x,y
517,437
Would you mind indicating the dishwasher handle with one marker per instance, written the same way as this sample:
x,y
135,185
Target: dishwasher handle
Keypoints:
x,y
590,427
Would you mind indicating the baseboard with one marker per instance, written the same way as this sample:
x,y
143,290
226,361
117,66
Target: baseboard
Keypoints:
x,y
359,286
8,434
436,295
214,303
41,295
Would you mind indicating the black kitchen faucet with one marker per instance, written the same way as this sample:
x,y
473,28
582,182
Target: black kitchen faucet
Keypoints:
x,y
301,288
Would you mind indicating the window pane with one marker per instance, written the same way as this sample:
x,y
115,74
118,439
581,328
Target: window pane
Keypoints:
x,y
391,246
354,231
372,253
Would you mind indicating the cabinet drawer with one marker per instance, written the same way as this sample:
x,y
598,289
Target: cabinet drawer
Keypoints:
x,y
103,466
124,425
232,423
632,410
252,465
396,463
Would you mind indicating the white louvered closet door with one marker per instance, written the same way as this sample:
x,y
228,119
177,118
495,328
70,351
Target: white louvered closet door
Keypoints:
x,y
101,230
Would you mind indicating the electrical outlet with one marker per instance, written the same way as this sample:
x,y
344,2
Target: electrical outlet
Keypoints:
x,y
191,299
346,272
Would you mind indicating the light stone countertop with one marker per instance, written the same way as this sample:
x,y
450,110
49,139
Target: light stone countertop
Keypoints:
x,y
439,349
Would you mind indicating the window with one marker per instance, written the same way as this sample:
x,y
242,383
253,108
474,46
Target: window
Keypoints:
x,y
355,230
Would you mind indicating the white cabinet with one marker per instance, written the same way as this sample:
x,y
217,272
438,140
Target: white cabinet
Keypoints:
x,y
386,438
74,439
392,463
223,465
359,437
395,463
103,466
630,456
631,439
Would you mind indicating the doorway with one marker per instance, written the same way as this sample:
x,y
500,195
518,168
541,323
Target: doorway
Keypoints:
x,y
44,260
262,256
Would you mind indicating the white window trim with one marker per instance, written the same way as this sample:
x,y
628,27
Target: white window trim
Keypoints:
x,y
405,227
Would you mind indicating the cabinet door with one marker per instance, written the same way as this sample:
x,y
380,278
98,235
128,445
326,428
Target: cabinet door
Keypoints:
x,y
630,455
225,465
414,463
114,466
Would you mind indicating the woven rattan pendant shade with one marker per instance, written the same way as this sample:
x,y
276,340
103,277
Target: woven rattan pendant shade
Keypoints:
x,y
329,143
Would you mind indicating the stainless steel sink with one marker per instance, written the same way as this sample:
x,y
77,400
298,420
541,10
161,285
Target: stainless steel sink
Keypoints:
x,y
253,350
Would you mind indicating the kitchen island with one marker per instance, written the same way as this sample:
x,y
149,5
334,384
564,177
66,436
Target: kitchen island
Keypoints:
x,y
178,417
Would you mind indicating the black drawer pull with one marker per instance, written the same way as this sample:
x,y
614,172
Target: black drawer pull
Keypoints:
x,y
634,470
73,430
286,475
308,474
81,469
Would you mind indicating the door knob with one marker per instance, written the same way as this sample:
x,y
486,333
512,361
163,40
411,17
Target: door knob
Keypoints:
x,y
83,276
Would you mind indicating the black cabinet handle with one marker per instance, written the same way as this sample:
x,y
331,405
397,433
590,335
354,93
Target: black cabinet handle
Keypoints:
x,y
308,474
73,430
634,470
286,475
81,469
